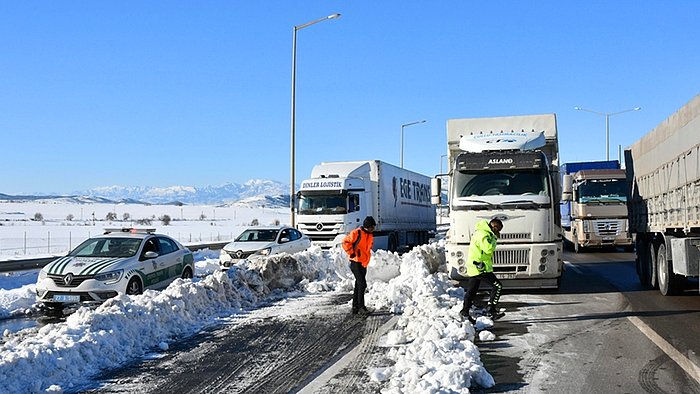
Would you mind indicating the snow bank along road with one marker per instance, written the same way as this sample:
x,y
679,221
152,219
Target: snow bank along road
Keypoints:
x,y
431,347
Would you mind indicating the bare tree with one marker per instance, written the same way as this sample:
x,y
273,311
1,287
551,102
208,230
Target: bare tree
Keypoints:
x,y
165,219
255,222
126,216
70,217
111,216
38,217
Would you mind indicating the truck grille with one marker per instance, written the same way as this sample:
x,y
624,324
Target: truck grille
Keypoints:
x,y
320,231
511,256
608,227
515,236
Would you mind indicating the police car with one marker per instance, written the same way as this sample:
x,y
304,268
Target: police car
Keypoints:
x,y
263,241
124,260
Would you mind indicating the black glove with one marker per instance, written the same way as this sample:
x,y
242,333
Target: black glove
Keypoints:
x,y
480,265
352,256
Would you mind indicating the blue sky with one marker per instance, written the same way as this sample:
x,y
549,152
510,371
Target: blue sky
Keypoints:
x,y
164,93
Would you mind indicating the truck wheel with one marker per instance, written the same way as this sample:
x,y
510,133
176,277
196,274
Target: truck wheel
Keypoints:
x,y
669,283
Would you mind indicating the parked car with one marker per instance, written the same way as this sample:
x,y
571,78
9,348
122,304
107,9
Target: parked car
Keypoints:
x,y
119,261
263,241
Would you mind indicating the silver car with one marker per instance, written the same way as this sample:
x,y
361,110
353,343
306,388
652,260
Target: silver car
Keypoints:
x,y
263,241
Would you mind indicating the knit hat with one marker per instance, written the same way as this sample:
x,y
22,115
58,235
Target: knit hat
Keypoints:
x,y
369,222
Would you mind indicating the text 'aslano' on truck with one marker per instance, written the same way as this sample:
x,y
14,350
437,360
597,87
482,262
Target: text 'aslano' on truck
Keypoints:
x,y
505,168
663,172
594,205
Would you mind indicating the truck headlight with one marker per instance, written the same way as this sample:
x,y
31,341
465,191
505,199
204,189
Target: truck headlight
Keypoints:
x,y
586,226
109,277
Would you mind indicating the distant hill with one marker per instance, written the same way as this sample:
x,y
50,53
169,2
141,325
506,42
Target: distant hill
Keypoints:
x,y
254,192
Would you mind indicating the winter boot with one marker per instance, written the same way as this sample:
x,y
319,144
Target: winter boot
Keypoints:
x,y
494,313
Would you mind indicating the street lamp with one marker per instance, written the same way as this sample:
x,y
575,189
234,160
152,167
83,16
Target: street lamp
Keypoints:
x,y
402,127
607,124
294,82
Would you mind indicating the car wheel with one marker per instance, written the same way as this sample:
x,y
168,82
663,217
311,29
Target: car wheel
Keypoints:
x,y
134,287
187,273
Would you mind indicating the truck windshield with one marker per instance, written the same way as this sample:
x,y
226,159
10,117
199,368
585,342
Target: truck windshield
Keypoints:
x,y
502,182
610,190
316,204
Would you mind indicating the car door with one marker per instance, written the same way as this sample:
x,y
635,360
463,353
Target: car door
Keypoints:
x,y
296,243
151,266
284,240
170,260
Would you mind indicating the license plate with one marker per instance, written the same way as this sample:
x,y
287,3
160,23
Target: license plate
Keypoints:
x,y
66,298
507,276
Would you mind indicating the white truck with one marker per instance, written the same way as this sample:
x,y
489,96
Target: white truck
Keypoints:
x,y
339,195
506,168
663,173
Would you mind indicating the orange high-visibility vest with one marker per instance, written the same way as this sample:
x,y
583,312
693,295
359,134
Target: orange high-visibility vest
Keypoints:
x,y
361,248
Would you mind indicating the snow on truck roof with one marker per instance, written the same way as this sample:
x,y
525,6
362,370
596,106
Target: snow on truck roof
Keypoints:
x,y
528,130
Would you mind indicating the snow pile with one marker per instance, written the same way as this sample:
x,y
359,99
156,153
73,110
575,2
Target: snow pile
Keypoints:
x,y
432,347
439,355
17,293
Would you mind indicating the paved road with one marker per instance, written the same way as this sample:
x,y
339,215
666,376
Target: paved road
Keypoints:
x,y
589,337
599,333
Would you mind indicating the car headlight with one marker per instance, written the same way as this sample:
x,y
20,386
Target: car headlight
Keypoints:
x,y
109,277
42,274
265,251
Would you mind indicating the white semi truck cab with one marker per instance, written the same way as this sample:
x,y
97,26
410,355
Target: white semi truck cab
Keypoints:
x,y
506,168
339,195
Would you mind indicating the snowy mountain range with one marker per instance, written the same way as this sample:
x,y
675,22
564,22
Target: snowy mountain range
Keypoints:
x,y
254,192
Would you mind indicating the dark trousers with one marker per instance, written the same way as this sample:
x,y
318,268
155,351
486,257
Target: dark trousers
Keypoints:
x,y
472,286
358,296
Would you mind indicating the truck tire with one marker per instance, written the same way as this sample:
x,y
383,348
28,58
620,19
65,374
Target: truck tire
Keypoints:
x,y
669,283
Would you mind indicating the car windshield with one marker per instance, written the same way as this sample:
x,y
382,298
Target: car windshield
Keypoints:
x,y
258,236
107,247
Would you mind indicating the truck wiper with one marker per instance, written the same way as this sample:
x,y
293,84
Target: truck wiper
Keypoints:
x,y
522,203
477,201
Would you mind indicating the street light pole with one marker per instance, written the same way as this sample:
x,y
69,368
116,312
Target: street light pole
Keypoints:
x,y
607,124
294,83
402,127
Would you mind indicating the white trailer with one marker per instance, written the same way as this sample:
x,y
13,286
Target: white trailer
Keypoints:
x,y
663,173
506,168
339,195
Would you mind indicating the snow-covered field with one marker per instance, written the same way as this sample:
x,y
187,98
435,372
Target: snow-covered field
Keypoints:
x,y
63,226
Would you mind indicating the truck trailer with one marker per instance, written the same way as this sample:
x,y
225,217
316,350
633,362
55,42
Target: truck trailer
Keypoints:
x,y
594,205
339,195
505,168
663,175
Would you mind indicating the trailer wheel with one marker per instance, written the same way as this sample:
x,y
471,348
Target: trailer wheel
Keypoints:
x,y
669,283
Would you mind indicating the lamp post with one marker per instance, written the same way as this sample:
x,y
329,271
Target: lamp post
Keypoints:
x,y
294,82
607,124
402,127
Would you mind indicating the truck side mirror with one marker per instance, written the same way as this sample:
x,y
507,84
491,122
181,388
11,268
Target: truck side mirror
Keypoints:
x,y
567,186
435,191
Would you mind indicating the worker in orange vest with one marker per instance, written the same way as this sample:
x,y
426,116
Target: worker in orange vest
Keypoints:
x,y
358,245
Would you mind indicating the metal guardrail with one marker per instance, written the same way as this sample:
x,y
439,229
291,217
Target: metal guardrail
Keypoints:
x,y
34,263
